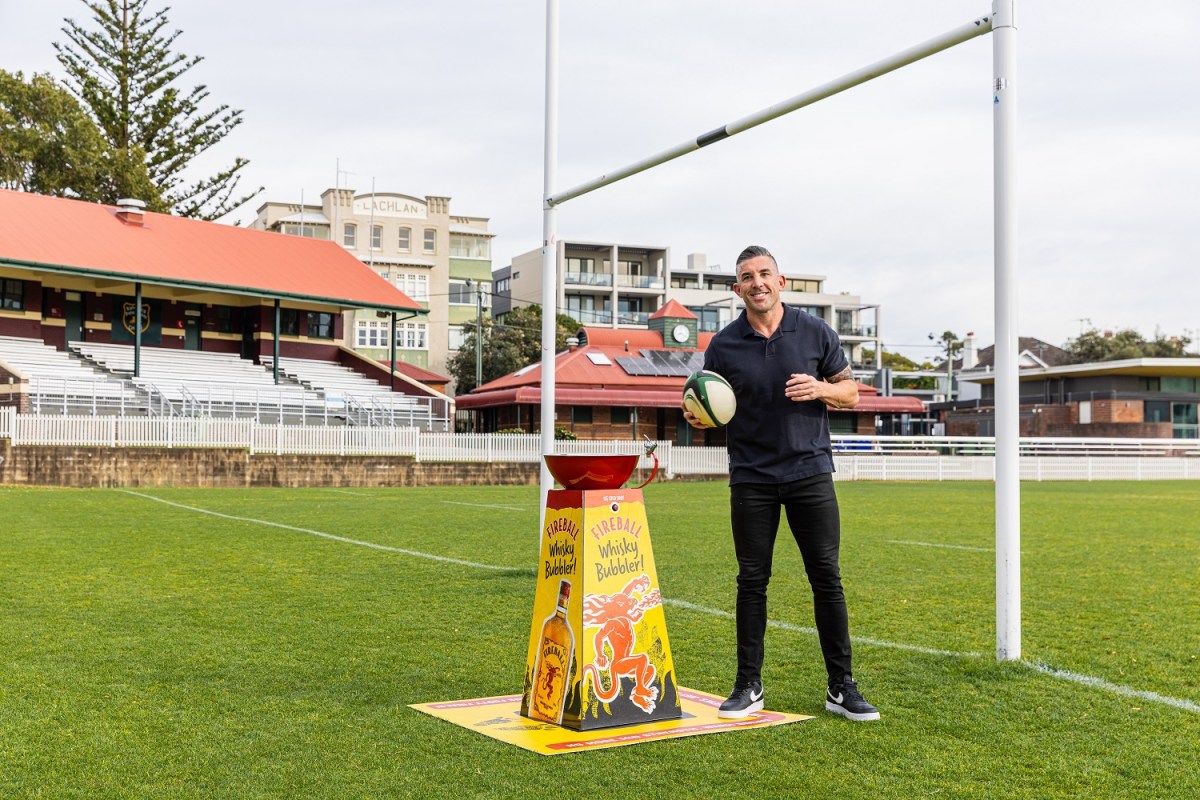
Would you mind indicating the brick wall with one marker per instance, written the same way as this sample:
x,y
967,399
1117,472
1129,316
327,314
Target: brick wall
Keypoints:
x,y
1125,411
107,467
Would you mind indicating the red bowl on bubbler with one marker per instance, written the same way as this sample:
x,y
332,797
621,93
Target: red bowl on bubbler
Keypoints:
x,y
587,471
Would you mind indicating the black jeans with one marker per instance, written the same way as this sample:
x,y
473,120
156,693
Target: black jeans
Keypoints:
x,y
812,514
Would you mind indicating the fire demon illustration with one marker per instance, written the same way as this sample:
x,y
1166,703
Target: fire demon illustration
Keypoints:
x,y
614,615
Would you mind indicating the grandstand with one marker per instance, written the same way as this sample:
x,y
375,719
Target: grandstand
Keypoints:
x,y
206,308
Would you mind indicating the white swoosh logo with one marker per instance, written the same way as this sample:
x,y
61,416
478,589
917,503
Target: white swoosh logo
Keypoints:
x,y
837,699
754,698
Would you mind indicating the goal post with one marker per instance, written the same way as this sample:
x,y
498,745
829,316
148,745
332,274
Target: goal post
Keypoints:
x,y
1001,23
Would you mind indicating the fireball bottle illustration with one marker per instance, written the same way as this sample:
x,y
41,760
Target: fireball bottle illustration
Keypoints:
x,y
553,662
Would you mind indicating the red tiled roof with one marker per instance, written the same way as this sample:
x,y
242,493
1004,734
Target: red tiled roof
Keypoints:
x,y
672,308
56,234
418,373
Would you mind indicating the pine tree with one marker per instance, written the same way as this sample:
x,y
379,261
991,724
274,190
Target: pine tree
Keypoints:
x,y
124,73
49,145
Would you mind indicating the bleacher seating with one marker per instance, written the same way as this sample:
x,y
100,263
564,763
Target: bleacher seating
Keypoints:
x,y
61,383
198,383
367,401
93,378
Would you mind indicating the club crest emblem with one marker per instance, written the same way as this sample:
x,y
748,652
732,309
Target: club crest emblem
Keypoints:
x,y
128,315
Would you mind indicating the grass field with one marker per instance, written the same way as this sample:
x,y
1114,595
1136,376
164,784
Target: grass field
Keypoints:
x,y
149,650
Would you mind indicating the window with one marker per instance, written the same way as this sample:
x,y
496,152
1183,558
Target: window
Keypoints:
x,y
815,311
374,333
465,246
1186,420
12,294
320,325
619,415
228,320
503,286
350,235
307,231
415,285
581,415
431,240
708,319
371,333
411,335
461,293
801,285
404,241
457,337
289,322
376,237
1180,385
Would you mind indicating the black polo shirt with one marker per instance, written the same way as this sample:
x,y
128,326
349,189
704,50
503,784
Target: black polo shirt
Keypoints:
x,y
772,439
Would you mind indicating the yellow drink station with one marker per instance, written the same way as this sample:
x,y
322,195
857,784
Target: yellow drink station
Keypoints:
x,y
599,656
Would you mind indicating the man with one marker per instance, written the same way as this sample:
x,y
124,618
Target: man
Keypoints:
x,y
785,367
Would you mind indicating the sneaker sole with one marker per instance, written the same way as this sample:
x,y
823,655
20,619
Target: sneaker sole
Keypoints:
x,y
870,716
740,713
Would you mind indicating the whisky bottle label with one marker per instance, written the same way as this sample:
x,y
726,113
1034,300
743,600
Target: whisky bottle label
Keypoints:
x,y
550,682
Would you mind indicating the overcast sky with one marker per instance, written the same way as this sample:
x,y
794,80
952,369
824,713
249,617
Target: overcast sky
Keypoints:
x,y
886,190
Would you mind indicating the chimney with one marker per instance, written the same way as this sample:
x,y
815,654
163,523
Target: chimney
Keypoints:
x,y
970,351
130,211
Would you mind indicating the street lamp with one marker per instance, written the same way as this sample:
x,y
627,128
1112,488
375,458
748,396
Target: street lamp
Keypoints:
x,y
478,332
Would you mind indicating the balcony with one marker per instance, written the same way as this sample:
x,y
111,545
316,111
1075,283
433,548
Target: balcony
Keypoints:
x,y
588,278
589,317
640,281
866,331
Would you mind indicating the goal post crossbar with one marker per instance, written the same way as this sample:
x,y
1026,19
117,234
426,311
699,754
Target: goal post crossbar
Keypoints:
x,y
963,33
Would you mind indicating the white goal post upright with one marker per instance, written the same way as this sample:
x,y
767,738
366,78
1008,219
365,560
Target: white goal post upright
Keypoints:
x,y
549,253
1006,406
1001,23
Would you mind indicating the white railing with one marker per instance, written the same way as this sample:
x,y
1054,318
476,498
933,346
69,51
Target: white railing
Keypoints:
x,y
856,457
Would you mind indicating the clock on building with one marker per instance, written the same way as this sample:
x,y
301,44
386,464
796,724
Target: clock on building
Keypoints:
x,y
680,333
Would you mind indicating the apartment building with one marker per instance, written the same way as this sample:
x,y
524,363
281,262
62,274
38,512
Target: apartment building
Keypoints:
x,y
597,295
441,260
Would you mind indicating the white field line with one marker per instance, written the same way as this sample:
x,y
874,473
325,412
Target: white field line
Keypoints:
x,y
1115,688
372,545
347,491
948,546
788,626
485,505
1074,677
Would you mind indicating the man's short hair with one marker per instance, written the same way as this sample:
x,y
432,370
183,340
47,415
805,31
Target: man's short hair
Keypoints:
x,y
754,251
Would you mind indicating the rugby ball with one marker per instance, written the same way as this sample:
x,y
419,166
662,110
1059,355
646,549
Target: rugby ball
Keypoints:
x,y
710,398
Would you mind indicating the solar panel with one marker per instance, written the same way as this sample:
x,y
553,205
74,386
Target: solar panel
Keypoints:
x,y
663,363
674,363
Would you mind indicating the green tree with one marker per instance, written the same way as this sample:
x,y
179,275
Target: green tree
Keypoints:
x,y
507,346
900,363
49,145
1094,345
124,73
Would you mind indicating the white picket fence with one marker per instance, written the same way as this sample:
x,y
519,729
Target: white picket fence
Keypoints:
x,y
876,458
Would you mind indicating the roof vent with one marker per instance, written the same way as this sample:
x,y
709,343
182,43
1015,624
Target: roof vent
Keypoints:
x,y
130,211
572,343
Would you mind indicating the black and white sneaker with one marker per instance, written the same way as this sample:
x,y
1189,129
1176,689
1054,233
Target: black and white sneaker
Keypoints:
x,y
745,700
844,698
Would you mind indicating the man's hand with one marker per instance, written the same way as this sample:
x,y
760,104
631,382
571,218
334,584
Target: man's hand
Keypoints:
x,y
839,391
692,420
